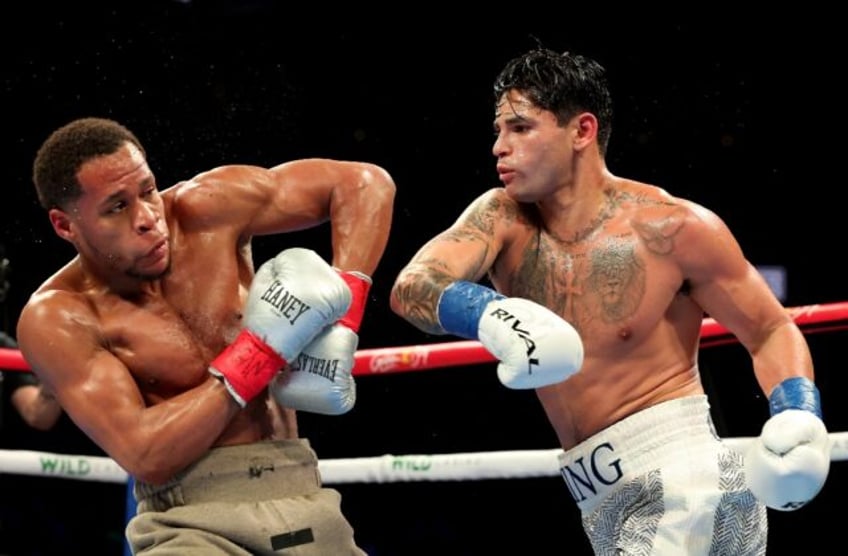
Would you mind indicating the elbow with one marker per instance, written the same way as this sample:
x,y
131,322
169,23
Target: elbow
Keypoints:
x,y
395,304
148,467
155,479
149,472
38,411
396,295
415,298
42,422
379,184
33,421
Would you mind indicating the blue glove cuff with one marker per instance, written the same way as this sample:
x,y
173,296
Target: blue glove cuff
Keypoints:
x,y
461,306
795,393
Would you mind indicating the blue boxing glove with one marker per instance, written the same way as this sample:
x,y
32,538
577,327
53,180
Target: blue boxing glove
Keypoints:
x,y
787,465
535,347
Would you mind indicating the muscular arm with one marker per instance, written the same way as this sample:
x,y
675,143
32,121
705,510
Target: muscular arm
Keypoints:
x,y
356,198
465,251
95,387
734,293
58,336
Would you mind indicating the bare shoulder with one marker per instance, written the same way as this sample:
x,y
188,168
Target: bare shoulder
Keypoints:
x,y
494,199
214,184
652,205
217,197
59,301
652,199
57,319
668,224
494,207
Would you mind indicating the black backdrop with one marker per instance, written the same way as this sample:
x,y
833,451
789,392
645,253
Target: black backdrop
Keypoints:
x,y
740,114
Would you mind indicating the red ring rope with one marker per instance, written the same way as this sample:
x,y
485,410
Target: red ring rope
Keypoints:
x,y
811,318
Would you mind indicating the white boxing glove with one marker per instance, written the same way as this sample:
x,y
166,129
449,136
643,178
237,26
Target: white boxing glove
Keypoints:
x,y
291,299
535,346
321,379
787,465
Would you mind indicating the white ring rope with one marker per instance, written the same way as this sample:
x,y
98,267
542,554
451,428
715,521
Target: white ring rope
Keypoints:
x,y
507,464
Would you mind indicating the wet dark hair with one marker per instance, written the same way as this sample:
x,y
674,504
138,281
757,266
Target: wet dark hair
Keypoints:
x,y
565,84
66,149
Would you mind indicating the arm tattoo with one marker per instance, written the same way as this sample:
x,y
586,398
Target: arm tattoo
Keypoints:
x,y
419,294
483,218
463,235
426,277
459,235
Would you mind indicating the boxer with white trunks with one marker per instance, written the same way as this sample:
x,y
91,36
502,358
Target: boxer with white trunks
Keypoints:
x,y
600,286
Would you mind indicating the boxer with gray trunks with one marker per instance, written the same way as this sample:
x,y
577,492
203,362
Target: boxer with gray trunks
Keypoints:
x,y
182,361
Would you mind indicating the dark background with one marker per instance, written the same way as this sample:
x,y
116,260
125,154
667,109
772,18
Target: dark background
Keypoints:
x,y
743,114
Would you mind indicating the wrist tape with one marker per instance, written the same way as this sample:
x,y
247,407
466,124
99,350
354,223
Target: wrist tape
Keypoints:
x,y
461,307
246,365
795,393
359,285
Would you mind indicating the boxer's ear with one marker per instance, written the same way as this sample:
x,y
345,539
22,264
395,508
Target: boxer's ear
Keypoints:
x,y
61,223
586,130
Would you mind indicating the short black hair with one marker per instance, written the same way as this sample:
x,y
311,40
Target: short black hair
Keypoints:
x,y
565,84
66,149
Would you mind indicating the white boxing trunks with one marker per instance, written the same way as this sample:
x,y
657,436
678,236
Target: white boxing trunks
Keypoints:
x,y
661,482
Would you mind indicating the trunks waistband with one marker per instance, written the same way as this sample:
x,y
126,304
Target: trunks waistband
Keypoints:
x,y
637,444
240,473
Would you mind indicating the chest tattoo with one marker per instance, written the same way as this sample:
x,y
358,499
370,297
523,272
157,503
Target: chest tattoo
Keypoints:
x,y
615,281
604,282
658,234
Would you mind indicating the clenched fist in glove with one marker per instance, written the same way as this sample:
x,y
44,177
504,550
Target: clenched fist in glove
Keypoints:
x,y
534,345
292,298
787,465
321,380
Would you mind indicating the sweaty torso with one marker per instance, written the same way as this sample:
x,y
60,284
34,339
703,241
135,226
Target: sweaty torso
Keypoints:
x,y
167,335
617,283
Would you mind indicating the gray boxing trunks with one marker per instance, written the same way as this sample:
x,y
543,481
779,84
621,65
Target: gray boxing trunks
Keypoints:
x,y
263,498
